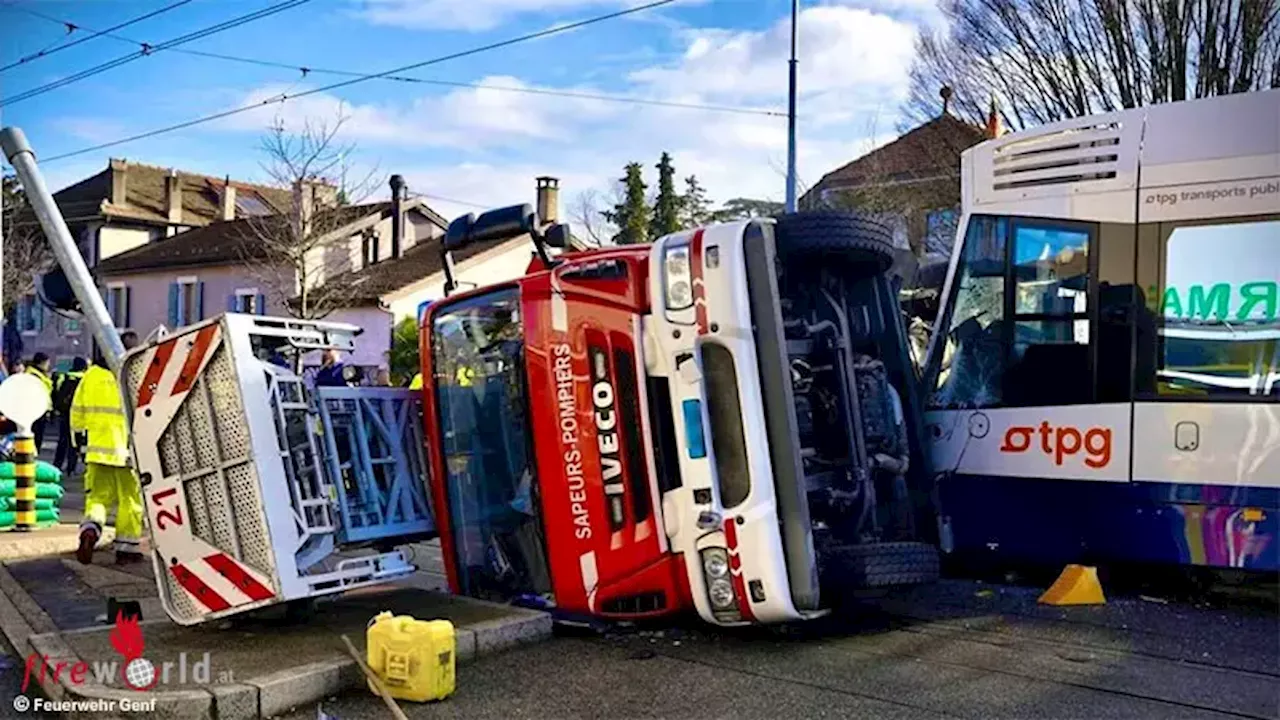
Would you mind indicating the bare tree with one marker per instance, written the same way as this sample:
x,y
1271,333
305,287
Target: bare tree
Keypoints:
x,y
293,253
26,252
1049,60
586,212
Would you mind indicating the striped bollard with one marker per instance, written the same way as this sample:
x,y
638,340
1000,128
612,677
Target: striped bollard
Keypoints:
x,y
24,474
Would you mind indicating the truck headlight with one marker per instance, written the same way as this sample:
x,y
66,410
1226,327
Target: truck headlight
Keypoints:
x,y
721,593
677,275
715,563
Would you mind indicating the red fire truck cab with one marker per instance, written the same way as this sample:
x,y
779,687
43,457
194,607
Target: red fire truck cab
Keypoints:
x,y
720,421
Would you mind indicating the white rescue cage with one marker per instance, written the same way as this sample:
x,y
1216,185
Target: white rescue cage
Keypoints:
x,y
257,486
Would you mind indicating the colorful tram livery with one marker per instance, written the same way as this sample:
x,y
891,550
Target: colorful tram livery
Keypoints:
x,y
1104,378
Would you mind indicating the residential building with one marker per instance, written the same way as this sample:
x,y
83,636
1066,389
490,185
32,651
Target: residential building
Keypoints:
x,y
912,183
230,265
123,207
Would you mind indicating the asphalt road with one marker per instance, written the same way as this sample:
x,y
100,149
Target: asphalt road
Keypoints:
x,y
961,650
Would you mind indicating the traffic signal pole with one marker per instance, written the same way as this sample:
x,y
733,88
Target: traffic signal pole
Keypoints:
x,y
23,159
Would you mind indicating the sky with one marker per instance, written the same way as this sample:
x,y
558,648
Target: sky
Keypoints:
x,y
469,148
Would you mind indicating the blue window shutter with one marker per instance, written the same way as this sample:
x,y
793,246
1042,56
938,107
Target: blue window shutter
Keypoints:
x,y
37,307
231,303
199,301
174,319
128,306
262,304
111,306
24,312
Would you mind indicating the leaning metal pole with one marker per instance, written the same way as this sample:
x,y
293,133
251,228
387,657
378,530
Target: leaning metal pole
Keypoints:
x,y
23,159
791,112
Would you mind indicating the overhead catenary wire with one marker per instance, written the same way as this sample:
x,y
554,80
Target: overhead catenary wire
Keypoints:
x,y
306,70
282,98
72,27
148,50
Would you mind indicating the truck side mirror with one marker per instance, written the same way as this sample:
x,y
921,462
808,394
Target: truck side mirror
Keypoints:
x,y
459,232
507,222
557,236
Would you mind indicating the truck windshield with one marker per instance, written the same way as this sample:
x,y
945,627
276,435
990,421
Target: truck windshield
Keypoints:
x,y
491,486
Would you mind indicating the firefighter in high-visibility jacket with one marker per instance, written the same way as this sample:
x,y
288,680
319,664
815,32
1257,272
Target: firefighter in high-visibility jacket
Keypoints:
x,y
97,411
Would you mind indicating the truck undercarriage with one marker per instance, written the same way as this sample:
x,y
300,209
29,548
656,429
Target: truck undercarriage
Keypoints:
x,y
853,425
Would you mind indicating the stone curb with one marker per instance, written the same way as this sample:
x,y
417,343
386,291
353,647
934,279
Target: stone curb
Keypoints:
x,y
30,630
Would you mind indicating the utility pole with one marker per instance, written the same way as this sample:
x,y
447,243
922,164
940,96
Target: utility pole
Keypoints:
x,y
791,112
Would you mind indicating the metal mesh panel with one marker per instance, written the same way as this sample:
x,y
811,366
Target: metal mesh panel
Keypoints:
x,y
170,461
228,412
181,603
255,545
206,446
220,520
199,510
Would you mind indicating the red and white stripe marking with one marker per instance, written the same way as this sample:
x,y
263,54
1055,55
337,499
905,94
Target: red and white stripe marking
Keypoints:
x,y
218,582
699,290
735,570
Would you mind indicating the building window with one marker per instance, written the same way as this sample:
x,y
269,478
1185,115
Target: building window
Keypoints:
x,y
248,300
30,315
70,326
369,248
940,230
1211,291
118,297
186,302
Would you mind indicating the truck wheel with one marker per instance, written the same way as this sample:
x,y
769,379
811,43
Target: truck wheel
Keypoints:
x,y
885,564
833,235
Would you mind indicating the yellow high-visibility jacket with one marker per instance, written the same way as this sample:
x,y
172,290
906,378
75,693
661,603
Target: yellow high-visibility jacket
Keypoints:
x,y
97,411
48,383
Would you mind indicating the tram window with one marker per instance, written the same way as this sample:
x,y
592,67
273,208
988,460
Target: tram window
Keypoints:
x,y
1213,291
1051,267
973,361
1049,358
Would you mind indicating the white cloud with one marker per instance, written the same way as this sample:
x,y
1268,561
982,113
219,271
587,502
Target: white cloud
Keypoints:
x,y
853,77
839,49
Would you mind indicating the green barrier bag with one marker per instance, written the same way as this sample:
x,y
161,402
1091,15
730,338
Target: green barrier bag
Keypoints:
x,y
45,473
42,516
43,490
41,504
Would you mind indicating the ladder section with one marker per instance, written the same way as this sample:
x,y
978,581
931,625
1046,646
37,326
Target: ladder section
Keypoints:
x,y
373,446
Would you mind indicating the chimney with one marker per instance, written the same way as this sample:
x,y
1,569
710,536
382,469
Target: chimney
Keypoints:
x,y
548,199
397,214
173,196
228,200
119,178
945,92
995,128
304,202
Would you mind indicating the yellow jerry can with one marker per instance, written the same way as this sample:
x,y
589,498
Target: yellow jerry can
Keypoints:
x,y
415,659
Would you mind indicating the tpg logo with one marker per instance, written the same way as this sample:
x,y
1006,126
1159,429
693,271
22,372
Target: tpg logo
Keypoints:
x,y
1061,442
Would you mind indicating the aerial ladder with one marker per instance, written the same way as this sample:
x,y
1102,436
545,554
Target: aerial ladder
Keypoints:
x,y
258,488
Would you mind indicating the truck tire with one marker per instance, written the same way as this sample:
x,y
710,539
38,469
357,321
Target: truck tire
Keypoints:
x,y
833,235
885,564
